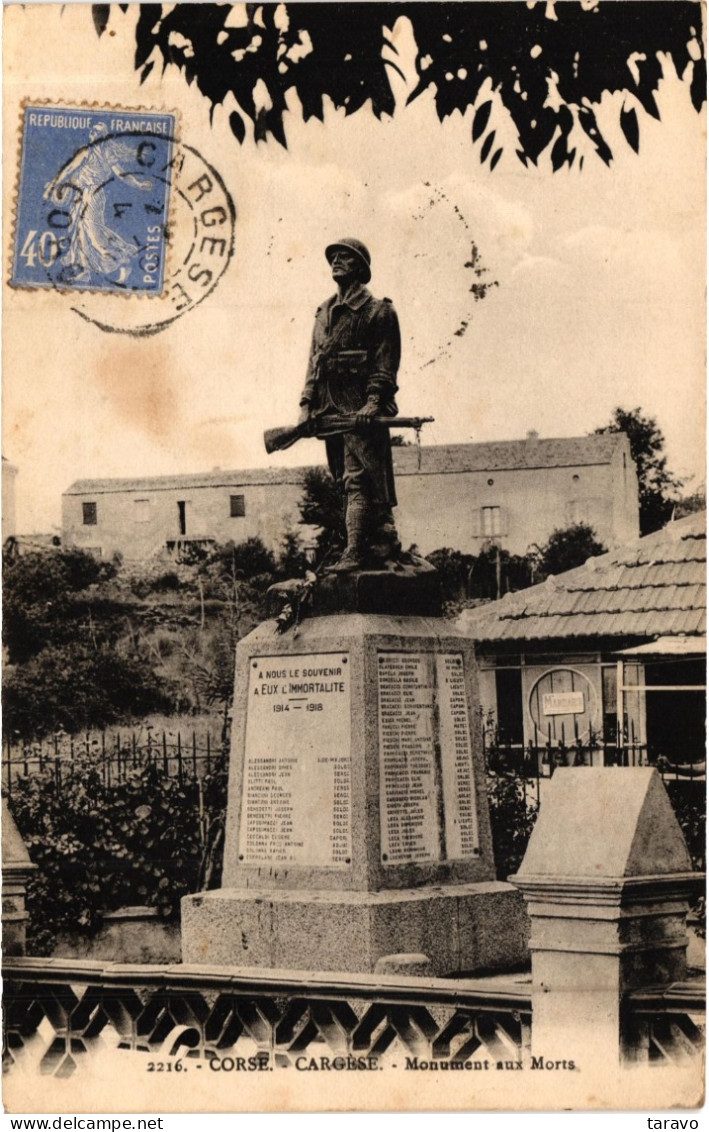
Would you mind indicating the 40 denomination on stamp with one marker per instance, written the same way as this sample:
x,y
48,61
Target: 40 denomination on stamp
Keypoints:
x,y
93,200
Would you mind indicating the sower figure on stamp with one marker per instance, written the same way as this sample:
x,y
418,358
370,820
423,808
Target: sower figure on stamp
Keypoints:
x,y
353,365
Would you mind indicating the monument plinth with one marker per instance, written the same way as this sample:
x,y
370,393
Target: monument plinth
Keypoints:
x,y
357,822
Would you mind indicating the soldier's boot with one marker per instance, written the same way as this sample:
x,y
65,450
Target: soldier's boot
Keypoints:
x,y
356,518
385,543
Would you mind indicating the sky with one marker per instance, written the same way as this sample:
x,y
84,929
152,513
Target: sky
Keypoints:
x,y
598,302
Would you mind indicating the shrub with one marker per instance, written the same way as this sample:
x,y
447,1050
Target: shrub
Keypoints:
x,y
75,686
567,548
689,803
511,821
148,840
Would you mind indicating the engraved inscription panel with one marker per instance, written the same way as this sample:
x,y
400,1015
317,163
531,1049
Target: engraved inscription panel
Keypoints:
x,y
408,776
296,804
461,819
427,790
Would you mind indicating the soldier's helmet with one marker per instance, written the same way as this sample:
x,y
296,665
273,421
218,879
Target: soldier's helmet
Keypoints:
x,y
358,248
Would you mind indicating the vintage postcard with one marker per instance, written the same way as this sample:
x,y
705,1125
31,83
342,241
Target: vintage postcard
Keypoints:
x,y
354,547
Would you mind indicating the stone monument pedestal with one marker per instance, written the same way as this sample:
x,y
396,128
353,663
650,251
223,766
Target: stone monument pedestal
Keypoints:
x,y
357,820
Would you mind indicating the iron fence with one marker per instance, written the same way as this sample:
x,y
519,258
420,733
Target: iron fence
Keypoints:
x,y
181,754
536,761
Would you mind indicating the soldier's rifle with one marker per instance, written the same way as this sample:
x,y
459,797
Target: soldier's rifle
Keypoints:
x,y
278,439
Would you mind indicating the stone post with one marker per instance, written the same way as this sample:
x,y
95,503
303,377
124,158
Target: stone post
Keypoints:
x,y
16,871
606,878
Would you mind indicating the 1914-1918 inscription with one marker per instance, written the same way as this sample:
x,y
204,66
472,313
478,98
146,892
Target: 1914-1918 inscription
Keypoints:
x,y
296,803
427,798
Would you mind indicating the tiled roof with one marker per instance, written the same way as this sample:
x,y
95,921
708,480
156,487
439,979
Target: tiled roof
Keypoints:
x,y
435,459
507,455
653,586
249,477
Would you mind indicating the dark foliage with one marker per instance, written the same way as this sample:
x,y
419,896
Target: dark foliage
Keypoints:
x,y
43,594
511,821
497,572
150,840
455,570
45,576
323,506
486,576
72,663
690,504
292,562
657,486
567,548
165,583
74,686
242,561
689,802
344,53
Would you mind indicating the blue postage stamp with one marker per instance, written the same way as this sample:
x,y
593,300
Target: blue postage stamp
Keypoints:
x,y
92,205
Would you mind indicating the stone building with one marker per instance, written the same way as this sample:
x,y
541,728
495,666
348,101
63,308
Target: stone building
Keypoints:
x,y
620,639
141,518
515,492
461,496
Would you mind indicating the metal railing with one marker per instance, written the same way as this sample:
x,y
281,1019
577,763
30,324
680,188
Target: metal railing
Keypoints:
x,y
535,761
179,754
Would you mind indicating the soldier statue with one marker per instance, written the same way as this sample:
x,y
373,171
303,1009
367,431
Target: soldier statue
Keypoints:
x,y
353,364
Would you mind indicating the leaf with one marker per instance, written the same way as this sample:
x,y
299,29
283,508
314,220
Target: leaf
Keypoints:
x,y
100,13
558,153
588,122
495,158
629,126
481,119
487,146
238,127
698,88
146,71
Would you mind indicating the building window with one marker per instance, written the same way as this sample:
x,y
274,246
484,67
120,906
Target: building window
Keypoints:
x,y
90,514
141,511
237,506
510,724
491,521
610,705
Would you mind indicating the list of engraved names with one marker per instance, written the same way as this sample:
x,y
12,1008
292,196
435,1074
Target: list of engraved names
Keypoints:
x,y
427,800
408,791
457,758
296,802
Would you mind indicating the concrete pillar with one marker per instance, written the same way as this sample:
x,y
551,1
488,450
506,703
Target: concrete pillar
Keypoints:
x,y
16,871
606,878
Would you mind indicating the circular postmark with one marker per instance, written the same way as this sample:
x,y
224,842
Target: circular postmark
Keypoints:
x,y
133,225
197,244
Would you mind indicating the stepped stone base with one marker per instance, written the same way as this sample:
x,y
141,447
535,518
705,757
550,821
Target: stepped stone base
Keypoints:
x,y
411,589
462,928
